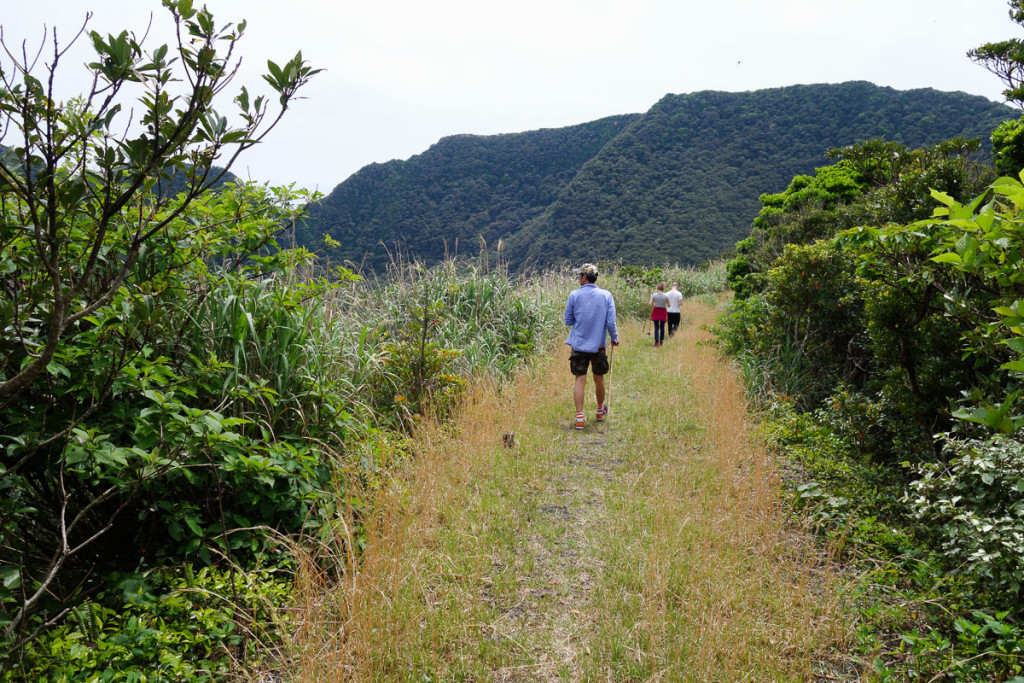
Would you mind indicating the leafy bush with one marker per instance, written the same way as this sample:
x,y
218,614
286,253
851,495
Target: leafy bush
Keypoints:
x,y
878,328
975,508
872,183
832,465
117,428
803,331
978,647
178,625
867,310
1008,147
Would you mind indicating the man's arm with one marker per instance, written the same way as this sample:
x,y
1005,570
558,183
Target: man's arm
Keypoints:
x,y
609,321
570,311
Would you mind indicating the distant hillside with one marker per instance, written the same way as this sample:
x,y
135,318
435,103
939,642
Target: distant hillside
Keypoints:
x,y
462,189
164,187
679,184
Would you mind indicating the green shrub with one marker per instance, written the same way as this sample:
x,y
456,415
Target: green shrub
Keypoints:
x,y
833,466
977,647
800,335
974,506
166,626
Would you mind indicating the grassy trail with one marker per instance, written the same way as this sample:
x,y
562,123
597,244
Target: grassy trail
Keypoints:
x,y
648,548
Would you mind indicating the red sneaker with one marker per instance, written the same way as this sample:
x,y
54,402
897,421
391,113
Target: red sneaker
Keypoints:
x,y
580,422
601,412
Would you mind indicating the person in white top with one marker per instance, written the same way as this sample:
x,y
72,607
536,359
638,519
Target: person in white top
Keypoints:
x,y
674,299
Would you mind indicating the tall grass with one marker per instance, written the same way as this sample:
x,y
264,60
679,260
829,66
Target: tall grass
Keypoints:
x,y
783,373
495,321
339,366
288,349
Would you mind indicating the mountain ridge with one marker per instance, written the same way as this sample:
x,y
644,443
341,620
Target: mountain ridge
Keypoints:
x,y
677,184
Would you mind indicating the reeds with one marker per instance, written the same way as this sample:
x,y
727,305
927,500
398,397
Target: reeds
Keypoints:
x,y
290,350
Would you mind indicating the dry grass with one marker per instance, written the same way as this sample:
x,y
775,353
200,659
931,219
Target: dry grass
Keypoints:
x,y
719,587
652,547
411,602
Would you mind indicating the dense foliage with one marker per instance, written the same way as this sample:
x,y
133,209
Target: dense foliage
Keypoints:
x,y
878,321
127,430
678,184
249,401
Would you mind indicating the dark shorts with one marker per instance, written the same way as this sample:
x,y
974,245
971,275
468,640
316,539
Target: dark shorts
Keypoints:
x,y
579,360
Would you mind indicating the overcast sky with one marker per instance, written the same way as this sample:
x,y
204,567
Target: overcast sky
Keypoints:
x,y
401,74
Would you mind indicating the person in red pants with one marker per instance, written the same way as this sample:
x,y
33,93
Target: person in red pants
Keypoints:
x,y
659,313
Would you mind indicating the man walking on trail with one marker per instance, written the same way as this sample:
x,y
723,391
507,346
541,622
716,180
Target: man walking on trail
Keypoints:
x,y
590,311
675,297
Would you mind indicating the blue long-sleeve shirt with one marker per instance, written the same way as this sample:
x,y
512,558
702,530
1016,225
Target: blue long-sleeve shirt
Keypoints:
x,y
590,311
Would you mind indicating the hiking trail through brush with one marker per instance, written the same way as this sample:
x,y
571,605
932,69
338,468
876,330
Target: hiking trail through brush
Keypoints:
x,y
556,574
652,546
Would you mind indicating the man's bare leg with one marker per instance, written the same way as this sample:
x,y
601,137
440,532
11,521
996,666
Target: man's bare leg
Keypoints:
x,y
577,393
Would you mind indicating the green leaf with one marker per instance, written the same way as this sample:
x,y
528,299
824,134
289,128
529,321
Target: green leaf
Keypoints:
x,y
276,79
943,198
193,525
10,576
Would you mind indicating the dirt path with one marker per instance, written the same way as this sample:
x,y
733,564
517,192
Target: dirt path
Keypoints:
x,y
650,547
556,574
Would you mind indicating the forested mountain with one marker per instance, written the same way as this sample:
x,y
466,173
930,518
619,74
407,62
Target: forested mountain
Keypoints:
x,y
678,184
461,189
173,183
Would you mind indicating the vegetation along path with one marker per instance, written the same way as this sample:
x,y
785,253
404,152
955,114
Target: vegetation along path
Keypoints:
x,y
651,547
